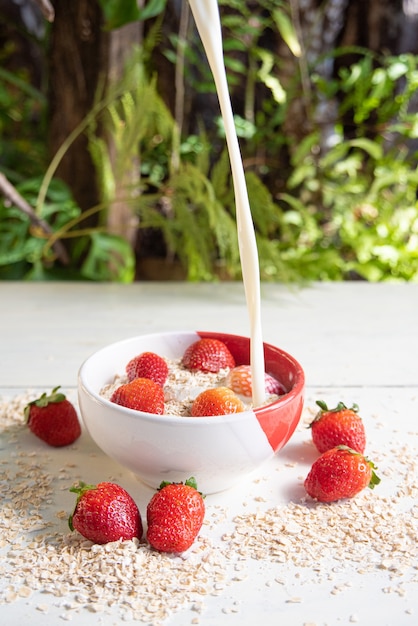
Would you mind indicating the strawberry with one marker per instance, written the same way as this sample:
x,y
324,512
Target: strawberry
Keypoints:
x,y
53,419
340,473
142,394
175,515
216,401
208,355
105,512
239,380
148,365
338,426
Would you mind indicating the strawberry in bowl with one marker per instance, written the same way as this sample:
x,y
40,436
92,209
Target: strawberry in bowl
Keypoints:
x,y
219,446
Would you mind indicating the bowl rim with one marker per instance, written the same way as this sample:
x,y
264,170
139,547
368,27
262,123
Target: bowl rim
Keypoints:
x,y
295,391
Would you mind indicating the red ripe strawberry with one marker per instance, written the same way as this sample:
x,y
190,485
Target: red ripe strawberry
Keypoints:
x,y
53,419
340,473
175,515
148,365
208,355
216,401
142,394
239,380
105,512
339,426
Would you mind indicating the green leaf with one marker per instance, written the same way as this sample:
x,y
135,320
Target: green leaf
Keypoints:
x,y
120,12
109,258
371,147
235,65
287,31
397,69
23,85
265,75
152,8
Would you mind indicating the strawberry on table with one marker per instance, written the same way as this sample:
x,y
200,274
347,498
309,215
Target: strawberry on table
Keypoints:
x,y
239,380
142,394
148,365
208,355
105,512
216,401
175,516
53,419
338,426
340,473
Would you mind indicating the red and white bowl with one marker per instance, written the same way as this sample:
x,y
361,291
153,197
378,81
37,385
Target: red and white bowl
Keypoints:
x,y
218,451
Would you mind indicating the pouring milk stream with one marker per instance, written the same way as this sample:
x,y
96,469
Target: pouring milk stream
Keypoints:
x,y
206,16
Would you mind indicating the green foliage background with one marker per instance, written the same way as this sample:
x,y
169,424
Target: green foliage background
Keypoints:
x,y
346,212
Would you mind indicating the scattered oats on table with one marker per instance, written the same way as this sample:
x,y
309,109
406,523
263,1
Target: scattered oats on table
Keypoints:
x,y
373,533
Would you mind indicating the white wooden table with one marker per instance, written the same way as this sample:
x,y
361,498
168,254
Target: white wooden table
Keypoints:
x,y
358,342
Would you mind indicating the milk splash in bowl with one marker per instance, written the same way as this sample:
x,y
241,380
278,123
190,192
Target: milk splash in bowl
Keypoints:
x,y
206,16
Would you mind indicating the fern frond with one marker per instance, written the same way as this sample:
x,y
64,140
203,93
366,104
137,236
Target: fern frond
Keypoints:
x,y
101,159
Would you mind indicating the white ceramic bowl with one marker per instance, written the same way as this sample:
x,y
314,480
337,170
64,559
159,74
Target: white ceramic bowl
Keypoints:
x,y
218,451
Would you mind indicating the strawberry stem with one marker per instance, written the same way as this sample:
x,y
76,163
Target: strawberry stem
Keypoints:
x,y
190,482
80,489
53,398
340,407
375,479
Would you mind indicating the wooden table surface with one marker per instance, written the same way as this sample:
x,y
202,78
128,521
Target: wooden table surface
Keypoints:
x,y
357,342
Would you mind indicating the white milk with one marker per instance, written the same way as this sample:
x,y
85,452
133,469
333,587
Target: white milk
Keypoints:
x,y
206,15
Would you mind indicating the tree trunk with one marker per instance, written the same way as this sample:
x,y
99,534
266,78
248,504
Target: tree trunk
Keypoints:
x,y
79,56
373,24
121,220
82,54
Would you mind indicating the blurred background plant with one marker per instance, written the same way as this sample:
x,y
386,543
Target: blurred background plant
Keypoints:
x,y
328,131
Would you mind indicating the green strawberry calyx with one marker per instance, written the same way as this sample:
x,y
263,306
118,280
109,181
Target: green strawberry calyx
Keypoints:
x,y
324,409
340,407
190,482
53,398
374,479
80,489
